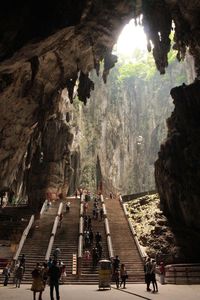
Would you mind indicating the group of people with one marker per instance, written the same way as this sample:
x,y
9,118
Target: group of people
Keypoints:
x,y
119,272
52,273
97,211
18,272
46,273
92,241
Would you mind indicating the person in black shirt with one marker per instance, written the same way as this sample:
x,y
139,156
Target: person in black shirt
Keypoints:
x,y
54,276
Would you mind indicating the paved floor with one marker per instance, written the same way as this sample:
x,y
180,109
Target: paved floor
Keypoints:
x,y
86,292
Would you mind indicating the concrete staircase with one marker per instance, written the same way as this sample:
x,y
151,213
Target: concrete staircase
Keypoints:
x,y
36,244
67,237
89,274
123,242
13,221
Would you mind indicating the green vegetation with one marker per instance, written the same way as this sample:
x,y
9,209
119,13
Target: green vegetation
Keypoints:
x,y
141,66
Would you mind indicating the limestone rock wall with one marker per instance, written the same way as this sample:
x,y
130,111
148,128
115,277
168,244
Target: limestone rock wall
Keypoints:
x,y
34,70
177,168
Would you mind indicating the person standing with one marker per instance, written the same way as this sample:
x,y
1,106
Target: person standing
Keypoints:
x,y
116,276
148,269
153,277
56,253
60,220
22,262
68,204
54,276
116,263
6,273
37,283
19,275
162,272
123,275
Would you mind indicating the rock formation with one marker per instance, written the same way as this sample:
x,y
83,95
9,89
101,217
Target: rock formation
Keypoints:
x,y
177,169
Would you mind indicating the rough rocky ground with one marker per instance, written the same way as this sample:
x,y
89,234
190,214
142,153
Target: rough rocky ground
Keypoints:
x,y
152,227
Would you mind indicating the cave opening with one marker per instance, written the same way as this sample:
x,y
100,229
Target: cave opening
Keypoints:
x,y
126,117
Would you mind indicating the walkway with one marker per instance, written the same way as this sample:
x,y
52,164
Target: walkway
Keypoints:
x,y
85,292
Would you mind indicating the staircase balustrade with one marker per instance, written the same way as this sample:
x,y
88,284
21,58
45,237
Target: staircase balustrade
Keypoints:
x,y
81,222
43,207
107,229
104,210
53,233
23,238
81,209
80,240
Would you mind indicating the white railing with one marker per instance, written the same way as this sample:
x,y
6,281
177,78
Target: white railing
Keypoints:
x,y
81,225
23,237
110,248
104,209
107,229
43,207
80,239
53,232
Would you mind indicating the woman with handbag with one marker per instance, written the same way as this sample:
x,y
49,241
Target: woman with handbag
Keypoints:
x,y
123,275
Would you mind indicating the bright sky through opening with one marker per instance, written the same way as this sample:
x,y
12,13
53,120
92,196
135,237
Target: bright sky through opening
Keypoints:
x,y
132,37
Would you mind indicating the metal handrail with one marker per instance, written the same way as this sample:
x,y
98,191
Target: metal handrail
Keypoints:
x,y
107,229
104,209
107,226
53,232
23,237
102,199
110,248
81,226
43,207
81,209
80,240
80,248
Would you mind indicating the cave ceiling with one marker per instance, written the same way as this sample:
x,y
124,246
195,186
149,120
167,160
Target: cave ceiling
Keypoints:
x,y
48,46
